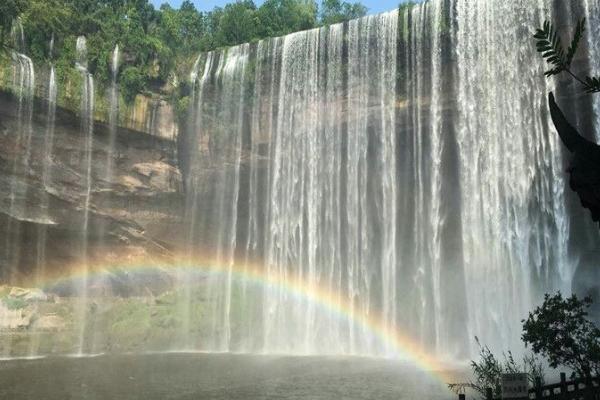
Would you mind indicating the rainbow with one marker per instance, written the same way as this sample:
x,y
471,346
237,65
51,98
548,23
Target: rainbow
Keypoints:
x,y
404,346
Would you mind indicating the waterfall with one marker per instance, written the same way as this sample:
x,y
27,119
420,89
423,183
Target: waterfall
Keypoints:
x,y
113,113
299,221
51,47
224,148
592,14
47,162
511,171
87,127
23,88
81,52
396,161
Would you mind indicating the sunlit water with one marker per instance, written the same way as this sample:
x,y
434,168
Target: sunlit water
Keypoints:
x,y
215,376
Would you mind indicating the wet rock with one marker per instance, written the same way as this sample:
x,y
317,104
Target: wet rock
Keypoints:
x,y
159,176
29,295
131,183
12,319
138,207
49,323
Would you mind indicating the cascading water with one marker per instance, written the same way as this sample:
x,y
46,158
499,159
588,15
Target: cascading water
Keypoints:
x,y
16,209
87,127
23,88
228,75
592,14
392,161
113,113
46,172
47,183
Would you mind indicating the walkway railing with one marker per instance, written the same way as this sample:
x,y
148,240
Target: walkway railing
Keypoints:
x,y
578,389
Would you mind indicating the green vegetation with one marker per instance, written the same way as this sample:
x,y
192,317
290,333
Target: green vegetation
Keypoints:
x,y
488,370
112,324
13,303
561,332
336,11
550,46
9,10
154,43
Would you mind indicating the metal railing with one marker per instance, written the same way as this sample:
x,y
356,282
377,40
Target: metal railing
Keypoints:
x,y
578,389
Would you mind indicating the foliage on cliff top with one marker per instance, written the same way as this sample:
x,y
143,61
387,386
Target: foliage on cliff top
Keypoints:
x,y
154,42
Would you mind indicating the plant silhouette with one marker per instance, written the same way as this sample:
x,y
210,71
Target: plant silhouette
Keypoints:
x,y
584,168
550,46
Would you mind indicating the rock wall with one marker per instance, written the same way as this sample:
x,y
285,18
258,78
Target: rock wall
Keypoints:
x,y
136,211
149,113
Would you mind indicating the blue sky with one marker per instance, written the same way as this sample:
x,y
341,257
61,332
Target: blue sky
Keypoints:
x,y
375,6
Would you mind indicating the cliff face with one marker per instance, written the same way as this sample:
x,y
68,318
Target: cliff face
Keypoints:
x,y
149,113
134,211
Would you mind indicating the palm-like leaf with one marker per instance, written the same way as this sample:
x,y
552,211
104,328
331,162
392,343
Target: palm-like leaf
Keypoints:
x,y
549,44
592,84
579,30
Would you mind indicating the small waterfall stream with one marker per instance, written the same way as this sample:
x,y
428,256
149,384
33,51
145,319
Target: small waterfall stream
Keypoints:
x,y
23,87
87,128
592,13
47,173
113,113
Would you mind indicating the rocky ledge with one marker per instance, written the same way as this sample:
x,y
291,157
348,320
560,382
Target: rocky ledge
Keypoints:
x,y
136,210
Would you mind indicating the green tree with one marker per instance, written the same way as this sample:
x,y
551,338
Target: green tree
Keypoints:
x,y
238,23
181,29
132,82
336,11
44,19
9,11
280,17
561,332
153,43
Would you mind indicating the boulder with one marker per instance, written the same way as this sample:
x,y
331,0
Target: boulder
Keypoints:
x,y
29,295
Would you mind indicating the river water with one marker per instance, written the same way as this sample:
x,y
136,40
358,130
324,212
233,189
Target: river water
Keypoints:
x,y
215,376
